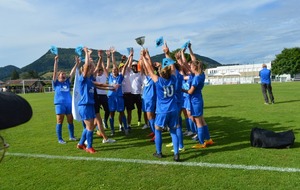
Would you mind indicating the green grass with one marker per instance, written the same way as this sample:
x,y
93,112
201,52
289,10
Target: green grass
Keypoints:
x,y
231,111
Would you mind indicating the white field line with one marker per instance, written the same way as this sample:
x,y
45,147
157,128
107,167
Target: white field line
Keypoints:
x,y
138,161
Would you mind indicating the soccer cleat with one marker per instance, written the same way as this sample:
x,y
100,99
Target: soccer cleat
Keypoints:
x,y
209,142
151,135
81,146
129,127
61,141
139,123
145,126
108,141
73,139
266,103
189,133
90,150
195,138
169,145
180,150
121,128
199,146
176,158
158,155
185,133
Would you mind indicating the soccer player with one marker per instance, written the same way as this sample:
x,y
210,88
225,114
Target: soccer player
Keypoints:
x,y
63,100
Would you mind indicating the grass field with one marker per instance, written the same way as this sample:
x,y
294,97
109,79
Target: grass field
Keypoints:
x,y
36,161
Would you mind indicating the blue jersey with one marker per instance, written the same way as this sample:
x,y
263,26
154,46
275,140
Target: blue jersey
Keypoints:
x,y
115,80
265,76
149,92
198,83
165,91
178,86
62,92
86,87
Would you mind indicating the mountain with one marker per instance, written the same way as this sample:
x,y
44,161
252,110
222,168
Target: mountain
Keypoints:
x,y
44,64
5,72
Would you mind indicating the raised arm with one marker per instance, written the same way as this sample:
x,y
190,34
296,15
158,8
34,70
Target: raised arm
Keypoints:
x,y
166,50
105,69
129,60
54,77
86,64
77,63
99,62
193,57
112,51
148,65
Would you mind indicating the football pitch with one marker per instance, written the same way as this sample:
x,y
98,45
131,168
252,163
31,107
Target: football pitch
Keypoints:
x,y
35,160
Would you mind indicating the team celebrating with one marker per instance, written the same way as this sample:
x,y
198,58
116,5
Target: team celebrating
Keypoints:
x,y
161,91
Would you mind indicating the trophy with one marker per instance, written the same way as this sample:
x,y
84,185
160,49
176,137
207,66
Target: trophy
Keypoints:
x,y
140,41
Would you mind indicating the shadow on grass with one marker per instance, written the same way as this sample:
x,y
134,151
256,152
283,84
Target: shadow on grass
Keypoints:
x,y
229,134
285,102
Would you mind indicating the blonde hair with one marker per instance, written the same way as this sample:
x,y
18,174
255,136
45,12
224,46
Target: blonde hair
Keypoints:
x,y
199,65
165,72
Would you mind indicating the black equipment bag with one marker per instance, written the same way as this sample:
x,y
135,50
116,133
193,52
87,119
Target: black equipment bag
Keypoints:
x,y
269,139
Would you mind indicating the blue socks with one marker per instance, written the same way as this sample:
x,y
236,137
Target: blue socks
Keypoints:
x,y
124,120
175,139
200,135
180,137
151,123
59,131
83,137
89,138
71,130
206,132
158,141
111,122
187,124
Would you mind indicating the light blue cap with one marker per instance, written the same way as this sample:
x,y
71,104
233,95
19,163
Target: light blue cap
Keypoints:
x,y
185,45
167,62
78,50
54,50
159,41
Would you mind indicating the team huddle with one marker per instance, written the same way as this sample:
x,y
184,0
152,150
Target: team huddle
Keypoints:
x,y
162,91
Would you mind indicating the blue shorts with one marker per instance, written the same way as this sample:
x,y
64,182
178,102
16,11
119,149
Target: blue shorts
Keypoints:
x,y
148,105
187,103
87,112
65,109
167,119
116,104
197,109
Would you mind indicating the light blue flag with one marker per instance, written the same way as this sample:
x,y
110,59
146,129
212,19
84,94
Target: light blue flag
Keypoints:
x,y
167,62
54,50
78,50
159,41
76,97
185,45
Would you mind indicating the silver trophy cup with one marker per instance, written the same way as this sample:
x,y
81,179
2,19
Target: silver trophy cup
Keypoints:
x,y
140,41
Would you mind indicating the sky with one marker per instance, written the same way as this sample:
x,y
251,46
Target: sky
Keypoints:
x,y
230,32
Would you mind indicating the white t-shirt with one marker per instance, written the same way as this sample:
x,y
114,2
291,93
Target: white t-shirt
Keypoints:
x,y
101,79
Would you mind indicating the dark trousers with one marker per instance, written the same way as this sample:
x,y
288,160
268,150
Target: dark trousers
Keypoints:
x,y
267,88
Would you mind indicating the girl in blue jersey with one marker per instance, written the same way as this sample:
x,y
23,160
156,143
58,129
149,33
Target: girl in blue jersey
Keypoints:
x,y
166,105
115,98
86,104
195,92
63,101
148,99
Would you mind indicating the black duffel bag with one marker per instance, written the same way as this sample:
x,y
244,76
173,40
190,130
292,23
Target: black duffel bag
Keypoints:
x,y
269,139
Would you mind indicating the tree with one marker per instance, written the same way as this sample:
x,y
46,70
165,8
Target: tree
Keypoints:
x,y
14,75
287,62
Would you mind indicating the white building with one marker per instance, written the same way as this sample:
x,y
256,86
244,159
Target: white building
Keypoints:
x,y
239,74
